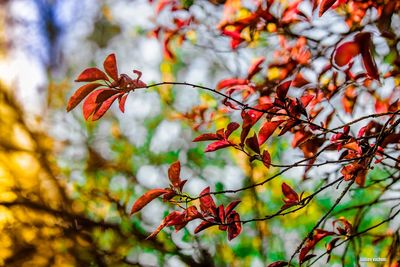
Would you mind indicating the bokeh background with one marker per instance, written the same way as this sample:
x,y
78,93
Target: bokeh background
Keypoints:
x,y
66,185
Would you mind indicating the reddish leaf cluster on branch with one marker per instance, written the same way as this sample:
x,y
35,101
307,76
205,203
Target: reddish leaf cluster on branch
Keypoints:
x,y
103,89
227,218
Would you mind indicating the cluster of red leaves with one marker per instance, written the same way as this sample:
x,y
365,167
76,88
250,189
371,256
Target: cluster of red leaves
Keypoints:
x,y
226,218
103,89
343,229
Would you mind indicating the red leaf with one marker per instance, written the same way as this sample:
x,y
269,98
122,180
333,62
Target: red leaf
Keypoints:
x,y
164,223
80,94
231,82
121,102
207,204
278,264
231,128
147,198
266,159
319,234
221,215
364,41
355,170
347,226
306,99
235,226
231,207
345,53
246,126
299,81
252,142
103,107
282,89
174,174
217,145
90,104
256,115
110,66
290,195
106,94
267,130
255,67
203,225
169,195
206,137
91,75
325,5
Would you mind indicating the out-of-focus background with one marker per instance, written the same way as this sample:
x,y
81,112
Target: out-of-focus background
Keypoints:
x,y
66,185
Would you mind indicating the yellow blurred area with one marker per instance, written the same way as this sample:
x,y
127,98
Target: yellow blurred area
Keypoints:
x,y
30,194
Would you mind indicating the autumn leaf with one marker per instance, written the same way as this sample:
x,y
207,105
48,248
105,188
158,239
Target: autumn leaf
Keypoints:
x,y
345,53
267,129
147,198
278,264
173,215
121,102
364,41
217,145
231,207
206,137
103,107
319,234
282,89
174,174
203,225
291,197
80,94
232,126
325,5
235,226
231,82
91,75
266,159
207,204
110,66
